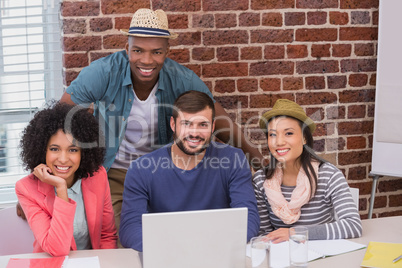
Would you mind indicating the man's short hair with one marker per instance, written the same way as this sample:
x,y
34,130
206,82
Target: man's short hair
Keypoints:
x,y
192,102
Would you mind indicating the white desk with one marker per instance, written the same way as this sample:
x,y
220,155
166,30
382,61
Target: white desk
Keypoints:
x,y
381,230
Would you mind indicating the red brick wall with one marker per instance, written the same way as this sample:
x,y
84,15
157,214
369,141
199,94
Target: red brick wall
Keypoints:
x,y
321,54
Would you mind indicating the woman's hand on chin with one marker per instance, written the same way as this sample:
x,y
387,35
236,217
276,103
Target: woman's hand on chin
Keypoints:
x,y
44,173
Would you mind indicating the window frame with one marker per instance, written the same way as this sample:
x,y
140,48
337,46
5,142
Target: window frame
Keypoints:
x,y
52,79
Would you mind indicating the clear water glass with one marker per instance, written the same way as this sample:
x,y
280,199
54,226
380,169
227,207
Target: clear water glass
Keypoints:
x,y
298,246
259,252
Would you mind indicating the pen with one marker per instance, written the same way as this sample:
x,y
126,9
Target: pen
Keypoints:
x,y
397,259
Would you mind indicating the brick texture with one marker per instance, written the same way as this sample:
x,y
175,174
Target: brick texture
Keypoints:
x,y
293,83
341,50
247,85
274,52
320,51
100,25
313,4
272,19
178,21
249,19
338,18
295,18
212,5
321,54
251,53
316,18
176,6
82,8
225,20
297,51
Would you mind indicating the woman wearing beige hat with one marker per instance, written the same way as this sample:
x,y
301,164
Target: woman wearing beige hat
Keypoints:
x,y
298,187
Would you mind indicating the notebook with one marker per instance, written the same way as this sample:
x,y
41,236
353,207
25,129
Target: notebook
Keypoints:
x,y
54,262
380,254
203,238
279,253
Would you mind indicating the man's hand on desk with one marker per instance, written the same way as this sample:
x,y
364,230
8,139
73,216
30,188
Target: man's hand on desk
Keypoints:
x,y
20,212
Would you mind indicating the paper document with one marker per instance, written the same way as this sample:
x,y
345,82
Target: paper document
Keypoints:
x,y
279,253
88,262
381,255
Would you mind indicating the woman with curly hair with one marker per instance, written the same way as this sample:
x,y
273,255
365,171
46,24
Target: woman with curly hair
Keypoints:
x,y
66,199
298,187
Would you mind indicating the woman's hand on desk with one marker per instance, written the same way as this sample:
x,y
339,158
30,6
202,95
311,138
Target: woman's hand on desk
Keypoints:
x,y
280,235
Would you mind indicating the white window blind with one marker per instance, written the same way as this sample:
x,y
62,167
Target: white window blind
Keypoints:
x,y
30,74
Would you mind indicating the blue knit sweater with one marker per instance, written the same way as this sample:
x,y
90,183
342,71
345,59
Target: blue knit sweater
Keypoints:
x,y
154,184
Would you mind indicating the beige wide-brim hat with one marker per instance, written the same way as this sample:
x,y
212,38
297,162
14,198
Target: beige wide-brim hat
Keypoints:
x,y
149,23
288,108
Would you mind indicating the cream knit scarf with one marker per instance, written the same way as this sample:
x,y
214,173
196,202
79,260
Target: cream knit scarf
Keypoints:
x,y
289,212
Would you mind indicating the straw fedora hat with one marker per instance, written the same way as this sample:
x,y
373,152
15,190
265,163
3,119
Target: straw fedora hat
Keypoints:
x,y
288,108
149,23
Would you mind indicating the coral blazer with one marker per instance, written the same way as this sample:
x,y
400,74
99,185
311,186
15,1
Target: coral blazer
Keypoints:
x,y
51,219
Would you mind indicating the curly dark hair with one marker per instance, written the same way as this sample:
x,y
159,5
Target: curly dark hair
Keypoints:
x,y
73,120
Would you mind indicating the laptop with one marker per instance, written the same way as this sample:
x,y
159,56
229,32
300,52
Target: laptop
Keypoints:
x,y
201,238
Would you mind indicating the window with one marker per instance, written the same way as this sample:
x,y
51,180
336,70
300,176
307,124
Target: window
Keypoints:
x,y
30,74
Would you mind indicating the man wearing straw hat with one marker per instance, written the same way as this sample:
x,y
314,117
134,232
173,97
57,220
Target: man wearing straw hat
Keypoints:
x,y
133,92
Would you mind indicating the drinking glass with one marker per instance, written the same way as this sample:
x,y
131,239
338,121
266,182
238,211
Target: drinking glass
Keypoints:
x,y
298,246
259,252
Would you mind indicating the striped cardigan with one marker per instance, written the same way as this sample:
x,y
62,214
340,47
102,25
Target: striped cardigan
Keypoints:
x,y
332,196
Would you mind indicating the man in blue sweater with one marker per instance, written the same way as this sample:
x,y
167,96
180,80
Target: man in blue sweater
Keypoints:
x,y
193,173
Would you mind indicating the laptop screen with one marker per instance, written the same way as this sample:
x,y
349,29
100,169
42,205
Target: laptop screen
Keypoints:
x,y
201,238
